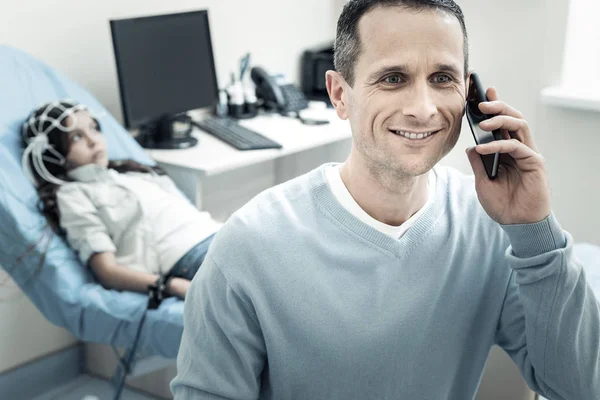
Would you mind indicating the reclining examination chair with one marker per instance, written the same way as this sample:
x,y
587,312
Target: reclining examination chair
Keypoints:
x,y
63,289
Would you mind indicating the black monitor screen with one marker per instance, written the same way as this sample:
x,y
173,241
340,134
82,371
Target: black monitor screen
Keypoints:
x,y
165,65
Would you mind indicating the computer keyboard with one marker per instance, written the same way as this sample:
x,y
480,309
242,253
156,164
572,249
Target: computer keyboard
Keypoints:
x,y
236,135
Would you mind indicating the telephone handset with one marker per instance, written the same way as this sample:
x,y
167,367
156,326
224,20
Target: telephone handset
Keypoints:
x,y
276,94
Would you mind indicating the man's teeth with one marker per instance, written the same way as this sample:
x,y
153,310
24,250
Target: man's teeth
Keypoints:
x,y
417,136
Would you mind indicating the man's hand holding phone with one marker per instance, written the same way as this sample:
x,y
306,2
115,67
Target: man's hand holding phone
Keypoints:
x,y
520,193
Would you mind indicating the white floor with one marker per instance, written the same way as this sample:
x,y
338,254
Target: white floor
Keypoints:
x,y
86,387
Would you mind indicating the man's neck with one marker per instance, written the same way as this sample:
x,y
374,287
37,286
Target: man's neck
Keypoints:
x,y
389,199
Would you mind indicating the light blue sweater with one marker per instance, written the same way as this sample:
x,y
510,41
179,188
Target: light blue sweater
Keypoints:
x,y
298,299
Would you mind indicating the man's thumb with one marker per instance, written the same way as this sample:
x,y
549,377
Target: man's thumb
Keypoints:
x,y
476,163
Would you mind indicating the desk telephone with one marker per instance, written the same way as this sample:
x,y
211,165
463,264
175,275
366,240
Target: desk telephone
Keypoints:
x,y
277,94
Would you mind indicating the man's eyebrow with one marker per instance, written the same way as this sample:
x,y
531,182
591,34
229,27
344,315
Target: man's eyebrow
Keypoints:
x,y
447,68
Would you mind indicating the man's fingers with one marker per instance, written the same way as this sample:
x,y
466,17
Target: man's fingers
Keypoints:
x,y
492,94
506,118
517,128
499,107
511,124
476,163
512,147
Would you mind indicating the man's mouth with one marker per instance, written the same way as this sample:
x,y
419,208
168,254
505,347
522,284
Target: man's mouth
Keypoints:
x,y
415,135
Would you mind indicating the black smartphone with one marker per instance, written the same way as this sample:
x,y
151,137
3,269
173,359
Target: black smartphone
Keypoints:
x,y
476,95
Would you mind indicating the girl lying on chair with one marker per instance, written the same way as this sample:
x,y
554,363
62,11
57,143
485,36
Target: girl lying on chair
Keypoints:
x,y
127,221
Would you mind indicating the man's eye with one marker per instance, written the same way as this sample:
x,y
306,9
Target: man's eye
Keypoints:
x,y
443,78
76,137
393,79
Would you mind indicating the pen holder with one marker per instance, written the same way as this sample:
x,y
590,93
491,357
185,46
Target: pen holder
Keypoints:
x,y
244,106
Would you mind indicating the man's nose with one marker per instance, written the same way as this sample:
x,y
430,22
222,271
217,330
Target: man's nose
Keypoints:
x,y
420,105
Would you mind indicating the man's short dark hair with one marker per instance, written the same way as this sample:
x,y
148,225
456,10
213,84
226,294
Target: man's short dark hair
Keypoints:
x,y
347,41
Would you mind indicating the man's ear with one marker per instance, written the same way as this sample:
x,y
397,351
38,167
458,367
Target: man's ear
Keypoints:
x,y
336,88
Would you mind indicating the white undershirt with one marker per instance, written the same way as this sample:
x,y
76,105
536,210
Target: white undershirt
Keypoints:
x,y
341,193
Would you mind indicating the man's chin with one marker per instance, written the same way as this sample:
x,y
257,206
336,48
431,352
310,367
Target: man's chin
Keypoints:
x,y
415,168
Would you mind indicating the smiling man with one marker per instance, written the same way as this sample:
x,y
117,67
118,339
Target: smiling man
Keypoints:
x,y
388,277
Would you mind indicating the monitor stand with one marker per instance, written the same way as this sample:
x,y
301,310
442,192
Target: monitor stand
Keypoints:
x,y
168,132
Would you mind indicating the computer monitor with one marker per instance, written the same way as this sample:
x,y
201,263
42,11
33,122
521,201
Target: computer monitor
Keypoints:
x,y
165,67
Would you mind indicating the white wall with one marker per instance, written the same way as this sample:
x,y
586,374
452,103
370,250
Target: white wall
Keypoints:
x,y
74,37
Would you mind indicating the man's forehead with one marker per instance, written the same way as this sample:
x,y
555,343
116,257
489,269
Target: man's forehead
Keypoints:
x,y
396,32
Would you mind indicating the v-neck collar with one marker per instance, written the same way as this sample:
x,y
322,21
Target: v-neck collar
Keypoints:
x,y
399,247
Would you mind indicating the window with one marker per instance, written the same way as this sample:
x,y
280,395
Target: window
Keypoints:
x,y
580,83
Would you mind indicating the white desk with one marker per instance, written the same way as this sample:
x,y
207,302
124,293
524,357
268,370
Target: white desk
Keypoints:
x,y
219,178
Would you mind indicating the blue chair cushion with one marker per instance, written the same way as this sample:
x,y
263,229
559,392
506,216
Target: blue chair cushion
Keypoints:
x,y
63,289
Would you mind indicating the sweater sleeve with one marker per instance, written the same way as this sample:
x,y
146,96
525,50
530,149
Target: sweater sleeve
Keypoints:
x,y
222,352
550,320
